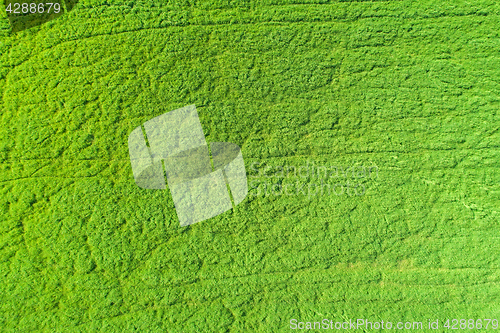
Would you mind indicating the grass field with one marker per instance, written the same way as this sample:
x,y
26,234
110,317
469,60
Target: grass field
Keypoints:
x,y
410,89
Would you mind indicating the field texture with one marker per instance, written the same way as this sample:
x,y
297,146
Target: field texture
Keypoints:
x,y
403,93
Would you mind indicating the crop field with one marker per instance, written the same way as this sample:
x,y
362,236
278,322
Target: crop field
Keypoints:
x,y
370,132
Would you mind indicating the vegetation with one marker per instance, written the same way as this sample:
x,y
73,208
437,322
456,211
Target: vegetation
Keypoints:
x,y
411,87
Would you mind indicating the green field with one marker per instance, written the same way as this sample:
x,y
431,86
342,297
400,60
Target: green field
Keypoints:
x,y
407,89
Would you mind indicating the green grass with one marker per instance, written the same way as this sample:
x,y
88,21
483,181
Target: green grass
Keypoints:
x,y
410,87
